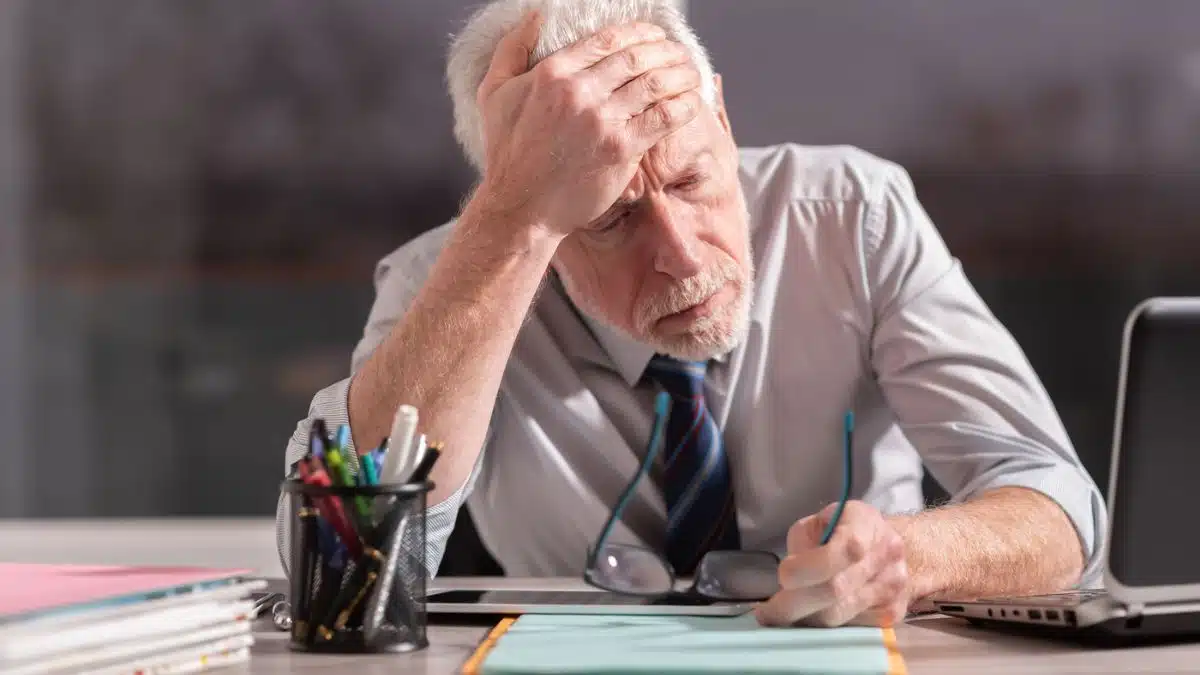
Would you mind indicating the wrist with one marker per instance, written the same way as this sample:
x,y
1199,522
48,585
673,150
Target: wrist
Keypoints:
x,y
505,225
923,578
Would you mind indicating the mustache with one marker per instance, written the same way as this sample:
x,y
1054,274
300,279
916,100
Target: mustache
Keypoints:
x,y
687,293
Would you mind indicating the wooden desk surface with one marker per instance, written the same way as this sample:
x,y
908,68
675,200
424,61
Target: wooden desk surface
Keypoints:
x,y
930,646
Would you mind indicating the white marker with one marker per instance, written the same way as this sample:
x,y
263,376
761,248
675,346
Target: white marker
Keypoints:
x,y
401,458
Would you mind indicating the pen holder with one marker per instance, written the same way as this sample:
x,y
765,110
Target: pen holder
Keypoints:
x,y
357,567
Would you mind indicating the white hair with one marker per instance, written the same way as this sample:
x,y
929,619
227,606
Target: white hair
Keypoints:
x,y
564,22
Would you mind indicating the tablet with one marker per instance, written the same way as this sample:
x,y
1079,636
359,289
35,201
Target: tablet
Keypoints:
x,y
503,601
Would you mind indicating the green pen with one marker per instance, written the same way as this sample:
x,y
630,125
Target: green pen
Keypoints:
x,y
341,472
367,466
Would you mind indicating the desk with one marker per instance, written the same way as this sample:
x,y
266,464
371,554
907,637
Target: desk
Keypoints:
x,y
931,646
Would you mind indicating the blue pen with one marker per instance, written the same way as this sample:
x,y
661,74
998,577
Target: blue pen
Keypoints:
x,y
317,440
376,456
343,436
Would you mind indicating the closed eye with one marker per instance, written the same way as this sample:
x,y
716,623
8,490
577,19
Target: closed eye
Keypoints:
x,y
690,183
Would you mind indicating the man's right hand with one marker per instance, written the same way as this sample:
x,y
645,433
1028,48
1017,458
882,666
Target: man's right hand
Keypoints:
x,y
563,139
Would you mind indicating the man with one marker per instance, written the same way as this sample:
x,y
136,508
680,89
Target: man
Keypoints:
x,y
618,235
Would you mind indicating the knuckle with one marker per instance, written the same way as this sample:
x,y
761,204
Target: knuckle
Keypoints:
x,y
634,60
665,114
607,39
856,545
841,588
653,82
574,98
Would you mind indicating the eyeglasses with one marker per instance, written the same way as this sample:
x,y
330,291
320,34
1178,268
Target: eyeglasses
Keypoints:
x,y
737,576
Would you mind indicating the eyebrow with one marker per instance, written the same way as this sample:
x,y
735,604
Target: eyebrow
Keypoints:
x,y
622,203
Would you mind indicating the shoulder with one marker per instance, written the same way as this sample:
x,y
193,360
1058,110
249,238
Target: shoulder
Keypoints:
x,y
791,172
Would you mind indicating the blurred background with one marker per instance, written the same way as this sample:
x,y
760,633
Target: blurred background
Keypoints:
x,y
193,196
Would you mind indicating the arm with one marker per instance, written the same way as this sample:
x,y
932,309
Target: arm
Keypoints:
x,y
461,313
1006,541
446,352
1024,514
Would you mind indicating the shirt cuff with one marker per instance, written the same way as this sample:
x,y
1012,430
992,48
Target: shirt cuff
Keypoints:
x,y
1078,497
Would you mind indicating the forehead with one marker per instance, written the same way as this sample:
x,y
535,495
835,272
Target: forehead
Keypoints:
x,y
683,149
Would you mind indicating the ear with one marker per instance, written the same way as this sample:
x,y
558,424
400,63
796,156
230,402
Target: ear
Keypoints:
x,y
721,114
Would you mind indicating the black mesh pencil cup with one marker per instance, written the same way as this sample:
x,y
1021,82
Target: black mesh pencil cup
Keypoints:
x,y
357,569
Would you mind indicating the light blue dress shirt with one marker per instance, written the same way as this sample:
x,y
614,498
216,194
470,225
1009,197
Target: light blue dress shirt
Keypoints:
x,y
858,305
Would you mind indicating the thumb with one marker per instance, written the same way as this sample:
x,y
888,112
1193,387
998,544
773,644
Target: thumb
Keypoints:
x,y
511,57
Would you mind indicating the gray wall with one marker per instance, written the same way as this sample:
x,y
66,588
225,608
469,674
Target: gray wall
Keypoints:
x,y
195,194
13,297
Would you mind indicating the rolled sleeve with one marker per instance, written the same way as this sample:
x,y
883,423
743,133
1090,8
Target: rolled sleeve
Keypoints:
x,y
397,278
959,385
330,404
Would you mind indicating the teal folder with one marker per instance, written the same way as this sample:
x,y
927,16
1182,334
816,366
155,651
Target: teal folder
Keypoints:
x,y
615,645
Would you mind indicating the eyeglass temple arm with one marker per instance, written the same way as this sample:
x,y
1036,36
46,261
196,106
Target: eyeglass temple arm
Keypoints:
x,y
662,404
848,466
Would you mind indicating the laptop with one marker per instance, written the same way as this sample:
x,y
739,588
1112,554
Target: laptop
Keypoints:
x,y
1151,582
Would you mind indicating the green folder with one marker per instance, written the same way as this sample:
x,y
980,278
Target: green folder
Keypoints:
x,y
613,645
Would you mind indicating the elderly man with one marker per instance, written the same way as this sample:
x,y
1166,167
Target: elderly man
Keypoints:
x,y
619,243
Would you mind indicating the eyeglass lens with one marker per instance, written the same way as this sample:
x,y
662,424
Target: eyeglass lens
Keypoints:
x,y
738,575
721,575
630,569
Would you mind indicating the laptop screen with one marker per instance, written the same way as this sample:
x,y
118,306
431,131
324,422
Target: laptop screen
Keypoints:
x,y
1154,521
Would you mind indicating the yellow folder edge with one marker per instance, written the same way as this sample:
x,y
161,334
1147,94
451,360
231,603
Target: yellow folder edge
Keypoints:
x,y
895,659
471,667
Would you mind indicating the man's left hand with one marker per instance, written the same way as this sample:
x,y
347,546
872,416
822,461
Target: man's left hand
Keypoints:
x,y
858,578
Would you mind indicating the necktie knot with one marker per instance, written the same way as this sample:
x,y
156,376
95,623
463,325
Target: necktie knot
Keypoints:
x,y
681,379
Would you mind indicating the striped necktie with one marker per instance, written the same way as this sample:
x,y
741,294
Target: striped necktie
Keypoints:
x,y
696,480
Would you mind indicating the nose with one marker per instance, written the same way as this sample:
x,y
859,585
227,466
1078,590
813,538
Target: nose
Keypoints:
x,y
676,246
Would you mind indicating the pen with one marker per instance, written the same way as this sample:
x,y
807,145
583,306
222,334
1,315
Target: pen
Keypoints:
x,y
398,462
318,439
304,562
381,597
341,473
396,518
343,437
350,594
368,474
332,510
421,473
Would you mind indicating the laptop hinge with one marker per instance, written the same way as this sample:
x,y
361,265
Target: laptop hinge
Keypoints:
x,y
1135,610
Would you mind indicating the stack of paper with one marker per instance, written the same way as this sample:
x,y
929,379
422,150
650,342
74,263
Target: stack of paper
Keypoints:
x,y
102,619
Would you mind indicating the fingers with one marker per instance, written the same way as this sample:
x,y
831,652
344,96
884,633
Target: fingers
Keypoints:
x,y
664,118
511,57
810,563
653,86
849,598
843,593
806,532
592,50
616,70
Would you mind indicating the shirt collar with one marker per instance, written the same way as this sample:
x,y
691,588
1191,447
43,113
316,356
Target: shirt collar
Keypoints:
x,y
628,356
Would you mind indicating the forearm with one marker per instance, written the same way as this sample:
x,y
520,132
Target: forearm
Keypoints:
x,y
448,353
1007,541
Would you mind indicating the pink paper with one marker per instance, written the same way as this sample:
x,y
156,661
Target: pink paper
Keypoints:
x,y
32,587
